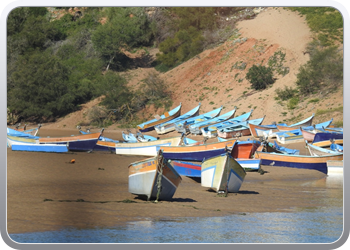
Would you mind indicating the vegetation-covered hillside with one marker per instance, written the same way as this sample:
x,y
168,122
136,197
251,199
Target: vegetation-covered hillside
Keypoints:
x,y
62,58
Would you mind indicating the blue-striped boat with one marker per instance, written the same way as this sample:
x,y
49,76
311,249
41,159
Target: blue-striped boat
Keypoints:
x,y
318,163
182,126
211,131
325,139
290,136
170,125
304,123
167,116
196,152
240,129
196,128
318,151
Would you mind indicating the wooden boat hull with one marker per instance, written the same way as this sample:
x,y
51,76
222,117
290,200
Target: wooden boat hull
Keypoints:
x,y
193,169
169,126
241,129
308,135
183,126
234,134
211,131
196,128
153,178
256,130
304,123
318,151
86,142
167,116
245,149
18,140
318,163
249,165
325,139
222,173
149,148
186,168
196,152
287,137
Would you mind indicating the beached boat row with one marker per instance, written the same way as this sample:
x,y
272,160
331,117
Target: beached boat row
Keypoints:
x,y
221,165
214,124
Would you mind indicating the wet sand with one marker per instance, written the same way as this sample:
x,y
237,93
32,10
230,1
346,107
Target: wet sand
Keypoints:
x,y
46,192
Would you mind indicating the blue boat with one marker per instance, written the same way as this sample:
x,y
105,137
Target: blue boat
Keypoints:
x,y
211,130
167,116
170,125
182,126
325,139
196,128
49,148
304,123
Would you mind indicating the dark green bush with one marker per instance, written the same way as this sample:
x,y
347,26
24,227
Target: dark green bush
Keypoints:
x,y
286,93
260,77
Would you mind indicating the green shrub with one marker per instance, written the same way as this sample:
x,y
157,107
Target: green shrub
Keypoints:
x,y
286,93
293,102
260,77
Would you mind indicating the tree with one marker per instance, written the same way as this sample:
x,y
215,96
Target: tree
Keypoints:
x,y
116,93
40,87
122,32
260,77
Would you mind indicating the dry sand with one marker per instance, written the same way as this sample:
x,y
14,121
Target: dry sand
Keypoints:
x,y
46,192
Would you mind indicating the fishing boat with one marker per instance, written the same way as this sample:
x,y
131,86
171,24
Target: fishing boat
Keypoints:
x,y
240,129
170,125
309,135
49,148
80,142
193,169
182,126
325,139
153,178
33,131
267,146
211,131
26,133
167,116
187,168
245,149
149,148
304,123
291,136
318,163
18,140
257,130
222,173
318,151
196,127
196,152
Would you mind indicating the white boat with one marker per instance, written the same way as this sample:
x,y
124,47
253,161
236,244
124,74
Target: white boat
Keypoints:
x,y
222,173
153,178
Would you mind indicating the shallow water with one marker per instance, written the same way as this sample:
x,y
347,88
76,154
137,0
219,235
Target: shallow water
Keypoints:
x,y
298,225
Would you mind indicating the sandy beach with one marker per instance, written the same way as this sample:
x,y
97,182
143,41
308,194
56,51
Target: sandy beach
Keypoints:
x,y
46,192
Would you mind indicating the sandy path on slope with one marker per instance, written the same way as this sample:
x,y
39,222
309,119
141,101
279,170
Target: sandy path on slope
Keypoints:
x,y
284,27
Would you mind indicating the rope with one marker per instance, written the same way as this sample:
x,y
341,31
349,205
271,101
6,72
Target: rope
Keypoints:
x,y
160,175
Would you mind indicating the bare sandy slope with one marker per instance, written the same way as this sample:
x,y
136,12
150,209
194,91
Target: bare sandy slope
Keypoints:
x,y
212,79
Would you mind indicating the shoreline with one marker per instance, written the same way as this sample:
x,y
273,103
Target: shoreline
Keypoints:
x,y
45,192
